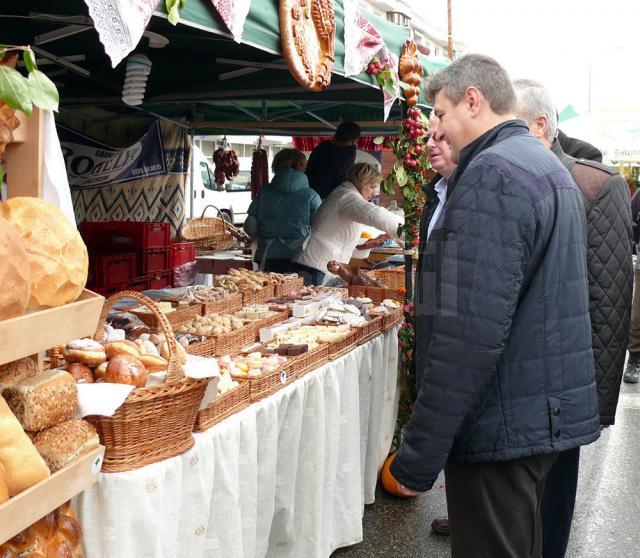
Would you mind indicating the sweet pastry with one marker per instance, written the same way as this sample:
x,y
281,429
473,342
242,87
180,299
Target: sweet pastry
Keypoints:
x,y
57,255
124,347
307,31
15,272
80,373
64,443
22,465
44,400
13,372
126,369
85,351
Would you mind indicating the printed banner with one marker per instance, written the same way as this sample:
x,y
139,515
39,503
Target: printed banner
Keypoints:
x,y
158,196
91,164
234,14
120,24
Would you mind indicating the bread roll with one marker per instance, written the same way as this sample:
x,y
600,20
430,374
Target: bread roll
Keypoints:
x,y
64,443
153,363
44,400
124,347
16,371
15,273
125,369
80,373
182,354
98,373
57,255
23,466
85,351
4,489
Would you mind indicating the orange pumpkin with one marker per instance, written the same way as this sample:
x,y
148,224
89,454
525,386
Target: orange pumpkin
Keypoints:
x,y
389,482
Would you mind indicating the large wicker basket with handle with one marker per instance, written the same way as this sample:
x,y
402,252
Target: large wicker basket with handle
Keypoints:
x,y
209,233
154,423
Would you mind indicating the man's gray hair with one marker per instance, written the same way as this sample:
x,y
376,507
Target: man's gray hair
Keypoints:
x,y
534,101
479,71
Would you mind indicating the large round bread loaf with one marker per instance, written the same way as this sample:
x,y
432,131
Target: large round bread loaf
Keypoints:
x,y
56,252
15,272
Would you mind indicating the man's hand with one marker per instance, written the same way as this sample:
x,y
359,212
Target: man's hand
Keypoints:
x,y
373,242
390,484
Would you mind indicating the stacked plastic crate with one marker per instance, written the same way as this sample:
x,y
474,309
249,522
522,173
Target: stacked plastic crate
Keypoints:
x,y
182,258
127,255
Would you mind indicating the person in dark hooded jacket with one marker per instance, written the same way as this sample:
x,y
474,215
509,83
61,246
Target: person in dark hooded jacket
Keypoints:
x,y
503,338
280,217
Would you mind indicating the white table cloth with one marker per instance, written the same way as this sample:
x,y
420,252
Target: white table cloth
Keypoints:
x,y
287,477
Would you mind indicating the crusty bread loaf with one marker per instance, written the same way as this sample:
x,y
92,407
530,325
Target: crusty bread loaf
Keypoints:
x,y
57,255
4,489
13,372
23,466
64,443
56,535
15,272
43,401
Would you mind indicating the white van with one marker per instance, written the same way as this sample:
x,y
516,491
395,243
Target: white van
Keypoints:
x,y
232,199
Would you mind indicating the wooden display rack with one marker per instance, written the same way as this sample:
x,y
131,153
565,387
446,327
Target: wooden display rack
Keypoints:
x,y
33,333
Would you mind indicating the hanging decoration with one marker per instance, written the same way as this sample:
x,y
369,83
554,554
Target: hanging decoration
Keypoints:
x,y
227,164
411,72
234,14
307,32
361,40
384,67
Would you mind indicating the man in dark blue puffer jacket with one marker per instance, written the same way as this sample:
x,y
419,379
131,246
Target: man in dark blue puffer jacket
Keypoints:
x,y
503,337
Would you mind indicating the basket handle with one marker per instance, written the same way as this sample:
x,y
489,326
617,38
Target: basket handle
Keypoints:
x,y
214,207
174,369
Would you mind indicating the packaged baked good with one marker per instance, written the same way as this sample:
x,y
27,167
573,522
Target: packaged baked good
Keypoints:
x,y
64,443
44,400
13,372
22,465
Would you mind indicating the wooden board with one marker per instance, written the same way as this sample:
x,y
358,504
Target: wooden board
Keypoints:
x,y
26,508
38,331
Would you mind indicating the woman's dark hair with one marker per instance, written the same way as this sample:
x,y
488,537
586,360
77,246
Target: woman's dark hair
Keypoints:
x,y
347,132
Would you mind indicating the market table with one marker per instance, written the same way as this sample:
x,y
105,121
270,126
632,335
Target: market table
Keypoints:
x,y
287,477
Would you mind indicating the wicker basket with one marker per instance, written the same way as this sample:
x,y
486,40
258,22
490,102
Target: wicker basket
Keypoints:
x,y
154,423
232,343
297,367
227,305
344,346
175,317
267,384
376,294
292,284
206,348
222,407
392,319
258,297
56,360
209,233
366,332
392,277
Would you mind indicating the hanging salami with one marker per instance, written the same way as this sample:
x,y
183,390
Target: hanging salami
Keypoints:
x,y
308,30
227,165
259,170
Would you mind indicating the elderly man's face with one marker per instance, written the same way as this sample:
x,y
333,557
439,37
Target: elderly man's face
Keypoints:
x,y
453,121
439,150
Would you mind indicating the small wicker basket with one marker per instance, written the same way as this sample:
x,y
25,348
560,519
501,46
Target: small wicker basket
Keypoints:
x,y
209,233
154,423
223,406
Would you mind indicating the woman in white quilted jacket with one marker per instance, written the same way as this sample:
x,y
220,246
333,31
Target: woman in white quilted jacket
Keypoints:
x,y
336,227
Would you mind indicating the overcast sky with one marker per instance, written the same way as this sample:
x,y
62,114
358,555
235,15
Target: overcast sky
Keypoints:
x,y
555,42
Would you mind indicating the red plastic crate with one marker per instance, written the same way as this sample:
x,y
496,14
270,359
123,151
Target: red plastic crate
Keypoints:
x,y
125,235
152,261
181,253
139,284
109,270
109,291
159,281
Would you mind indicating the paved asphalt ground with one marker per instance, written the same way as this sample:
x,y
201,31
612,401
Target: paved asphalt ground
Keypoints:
x,y
607,519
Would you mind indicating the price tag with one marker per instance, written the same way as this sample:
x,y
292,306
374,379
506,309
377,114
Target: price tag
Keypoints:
x,y
283,377
96,465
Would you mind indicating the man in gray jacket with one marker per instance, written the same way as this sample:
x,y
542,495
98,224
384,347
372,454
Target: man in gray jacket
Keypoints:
x,y
609,242
503,336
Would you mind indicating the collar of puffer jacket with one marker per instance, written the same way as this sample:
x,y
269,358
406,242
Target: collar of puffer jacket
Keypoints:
x,y
288,180
496,134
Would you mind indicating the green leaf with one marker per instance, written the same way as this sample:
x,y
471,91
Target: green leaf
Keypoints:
x,y
43,91
29,60
379,140
387,185
401,177
14,90
1,174
173,14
